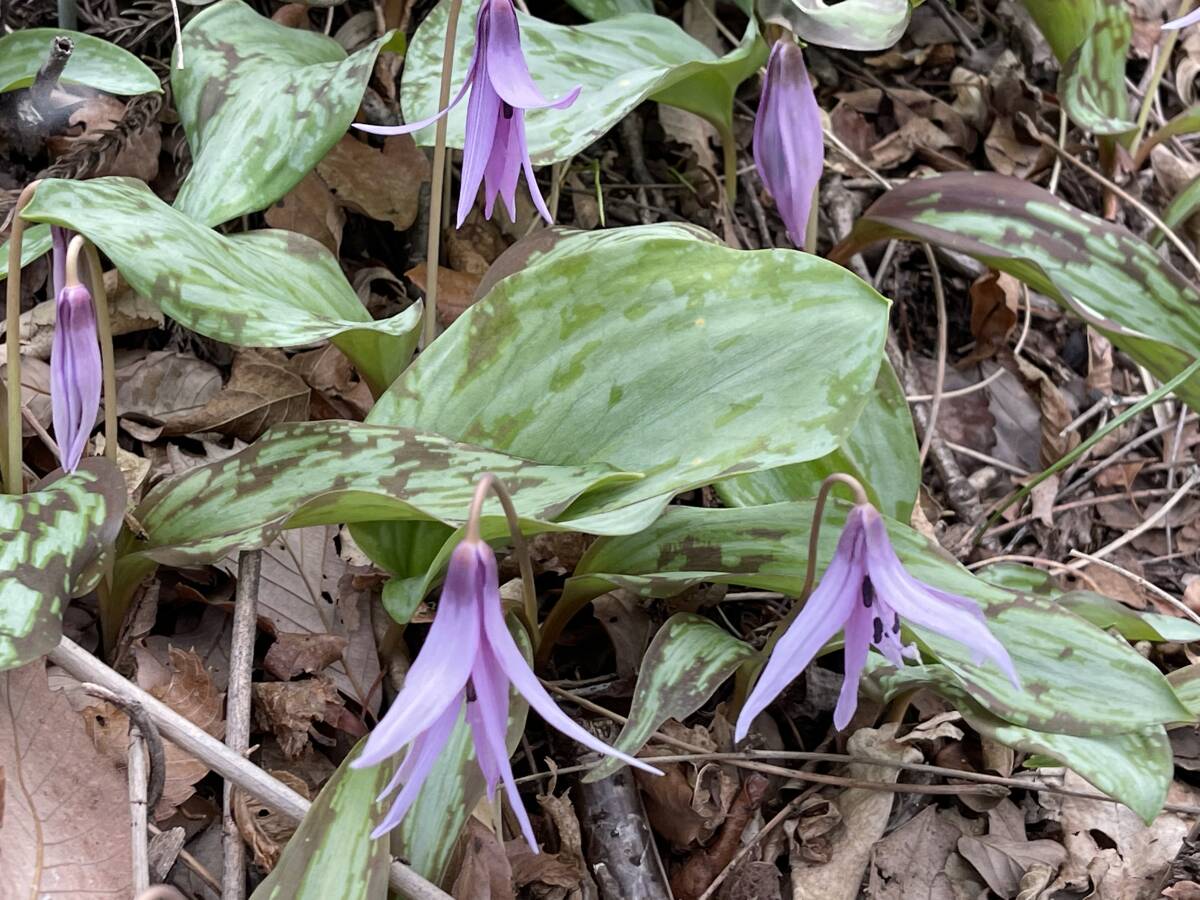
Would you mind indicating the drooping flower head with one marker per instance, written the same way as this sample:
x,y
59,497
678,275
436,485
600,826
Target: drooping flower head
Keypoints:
x,y
75,373
867,591
789,151
494,149
469,659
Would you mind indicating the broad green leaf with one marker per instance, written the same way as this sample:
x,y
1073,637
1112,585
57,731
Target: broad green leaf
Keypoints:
x,y
880,451
1135,768
257,289
607,9
332,855
620,62
1093,268
689,658
1186,682
1182,207
428,833
848,25
656,351
94,62
261,104
48,540
1076,678
1063,23
1092,84
35,242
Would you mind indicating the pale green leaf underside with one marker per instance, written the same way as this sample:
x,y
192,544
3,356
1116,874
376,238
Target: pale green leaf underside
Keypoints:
x,y
332,855
48,538
862,25
880,451
620,62
1076,678
34,243
261,104
257,289
94,62
688,659
1095,269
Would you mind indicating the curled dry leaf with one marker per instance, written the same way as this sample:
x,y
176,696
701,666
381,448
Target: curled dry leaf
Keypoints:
x,y
310,208
383,184
553,876
302,654
185,686
163,383
1005,854
288,709
263,829
65,808
456,290
485,873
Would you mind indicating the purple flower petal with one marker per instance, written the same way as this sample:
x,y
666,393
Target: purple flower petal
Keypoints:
x,y
513,663
506,66
422,757
1190,19
441,669
858,641
483,118
825,612
789,150
75,373
503,170
535,193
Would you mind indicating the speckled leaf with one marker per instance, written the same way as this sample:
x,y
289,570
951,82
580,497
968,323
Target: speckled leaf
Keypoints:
x,y
48,539
848,25
651,349
94,62
332,855
620,62
1063,23
428,833
1186,682
261,104
607,9
1135,768
689,658
1181,208
1092,83
255,289
1093,268
34,243
880,451
1077,679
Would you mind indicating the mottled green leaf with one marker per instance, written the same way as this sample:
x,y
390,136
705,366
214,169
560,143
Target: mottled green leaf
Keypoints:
x,y
1186,682
94,62
1093,268
261,104
1187,122
1092,84
620,62
1135,768
34,243
1063,23
1182,207
848,25
48,540
607,9
655,351
332,855
880,451
1076,678
689,658
256,289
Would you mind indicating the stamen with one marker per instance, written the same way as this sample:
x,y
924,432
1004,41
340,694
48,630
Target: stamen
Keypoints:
x,y
868,592
506,110
878,622
471,698
896,625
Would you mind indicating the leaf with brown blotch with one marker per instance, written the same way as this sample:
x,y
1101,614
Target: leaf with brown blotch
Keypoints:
x,y
296,654
65,823
187,688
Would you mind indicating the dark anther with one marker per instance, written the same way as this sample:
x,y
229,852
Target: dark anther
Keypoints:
x,y
506,110
878,629
868,593
896,625
471,698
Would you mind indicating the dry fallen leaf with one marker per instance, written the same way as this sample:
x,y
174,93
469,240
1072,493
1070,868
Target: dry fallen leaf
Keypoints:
x,y
64,818
310,208
456,290
164,382
288,709
296,654
484,873
264,829
383,184
1005,854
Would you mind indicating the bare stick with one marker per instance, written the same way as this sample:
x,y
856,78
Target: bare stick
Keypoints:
x,y
137,810
225,762
237,714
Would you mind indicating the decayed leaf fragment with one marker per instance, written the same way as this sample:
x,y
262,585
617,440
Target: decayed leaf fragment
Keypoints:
x,y
65,826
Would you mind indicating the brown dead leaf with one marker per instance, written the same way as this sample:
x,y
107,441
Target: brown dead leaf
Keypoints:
x,y
335,382
310,208
899,147
1183,890
1010,152
35,391
382,184
264,829
1058,409
456,290
688,803
296,654
484,873
692,879
163,382
1005,854
261,392
187,688
553,876
911,861
995,299
288,709
628,625
64,817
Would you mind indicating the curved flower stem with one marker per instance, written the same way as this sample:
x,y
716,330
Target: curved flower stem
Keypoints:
x,y
12,338
729,152
433,246
490,482
814,535
103,332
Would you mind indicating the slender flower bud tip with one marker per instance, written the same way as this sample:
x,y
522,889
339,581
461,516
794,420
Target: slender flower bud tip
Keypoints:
x,y
867,593
501,89
75,373
1183,22
789,150
469,659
